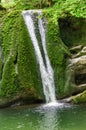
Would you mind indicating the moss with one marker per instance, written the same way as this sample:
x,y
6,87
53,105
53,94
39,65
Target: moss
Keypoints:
x,y
9,45
32,4
20,72
27,66
1,65
9,78
57,52
22,4
80,98
65,29
20,67
2,13
10,31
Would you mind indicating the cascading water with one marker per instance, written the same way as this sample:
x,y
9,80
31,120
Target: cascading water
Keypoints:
x,y
46,70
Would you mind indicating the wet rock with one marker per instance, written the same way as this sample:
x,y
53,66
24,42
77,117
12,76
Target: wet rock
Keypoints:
x,y
78,64
79,98
76,49
77,67
18,100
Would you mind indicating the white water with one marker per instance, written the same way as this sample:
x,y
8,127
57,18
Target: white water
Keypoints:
x,y
46,71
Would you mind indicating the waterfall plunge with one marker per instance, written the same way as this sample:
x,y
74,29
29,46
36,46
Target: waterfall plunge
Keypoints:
x,y
45,68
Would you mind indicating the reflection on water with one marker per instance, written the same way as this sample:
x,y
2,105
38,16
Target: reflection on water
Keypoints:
x,y
49,120
63,117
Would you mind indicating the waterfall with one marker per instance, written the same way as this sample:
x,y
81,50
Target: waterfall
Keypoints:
x,y
46,71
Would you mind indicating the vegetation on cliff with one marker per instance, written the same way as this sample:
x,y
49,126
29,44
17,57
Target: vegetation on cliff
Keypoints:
x,y
20,69
65,28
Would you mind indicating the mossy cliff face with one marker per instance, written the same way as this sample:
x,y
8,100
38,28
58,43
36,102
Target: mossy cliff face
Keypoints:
x,y
66,40
20,72
73,34
66,46
57,52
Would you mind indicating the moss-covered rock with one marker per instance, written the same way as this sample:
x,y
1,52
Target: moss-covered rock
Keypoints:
x,y
57,52
20,72
65,29
80,98
69,31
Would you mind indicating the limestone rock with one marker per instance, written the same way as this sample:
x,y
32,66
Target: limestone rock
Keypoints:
x,y
76,48
77,67
78,61
79,64
78,51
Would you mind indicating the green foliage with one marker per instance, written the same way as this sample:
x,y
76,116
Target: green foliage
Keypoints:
x,y
57,52
1,64
2,13
9,45
28,70
20,68
26,4
9,78
58,32
10,31
22,4
63,8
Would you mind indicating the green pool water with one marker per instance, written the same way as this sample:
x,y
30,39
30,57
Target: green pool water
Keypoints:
x,y
65,117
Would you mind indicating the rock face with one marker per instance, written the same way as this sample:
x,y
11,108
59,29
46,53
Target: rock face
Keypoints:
x,y
78,69
66,45
73,34
19,76
78,65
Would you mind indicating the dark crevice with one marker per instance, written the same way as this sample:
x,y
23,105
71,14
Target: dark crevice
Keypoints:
x,y
15,61
72,30
80,79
